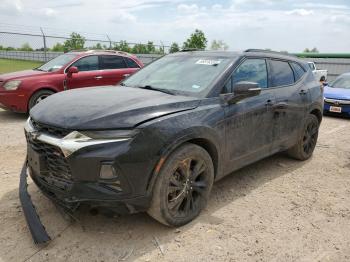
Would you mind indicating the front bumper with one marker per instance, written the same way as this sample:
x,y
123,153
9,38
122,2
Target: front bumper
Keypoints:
x,y
343,104
36,228
13,101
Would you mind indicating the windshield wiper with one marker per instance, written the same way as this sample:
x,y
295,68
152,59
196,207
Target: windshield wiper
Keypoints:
x,y
149,87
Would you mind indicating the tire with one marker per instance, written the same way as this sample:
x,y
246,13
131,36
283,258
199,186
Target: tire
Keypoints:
x,y
39,96
306,144
183,186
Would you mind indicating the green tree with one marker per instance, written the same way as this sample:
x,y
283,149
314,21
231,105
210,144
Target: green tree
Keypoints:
x,y
139,49
25,47
58,47
150,48
174,48
122,46
218,45
197,40
306,50
76,41
314,50
98,46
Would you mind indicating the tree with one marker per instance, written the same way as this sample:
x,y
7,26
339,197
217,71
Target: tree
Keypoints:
x,y
122,46
58,47
313,50
150,48
25,47
174,48
197,40
98,46
76,41
218,45
139,49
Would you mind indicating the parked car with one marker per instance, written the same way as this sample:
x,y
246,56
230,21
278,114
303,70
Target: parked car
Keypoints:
x,y
320,74
337,96
158,142
20,91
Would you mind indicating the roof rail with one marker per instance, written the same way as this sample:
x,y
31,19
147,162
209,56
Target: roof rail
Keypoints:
x,y
191,49
266,51
102,50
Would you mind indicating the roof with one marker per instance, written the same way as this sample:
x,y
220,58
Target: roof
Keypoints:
x,y
107,52
323,55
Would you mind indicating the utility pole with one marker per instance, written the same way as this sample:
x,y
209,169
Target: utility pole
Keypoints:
x,y
44,39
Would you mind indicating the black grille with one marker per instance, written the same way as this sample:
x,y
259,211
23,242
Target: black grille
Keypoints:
x,y
54,131
56,164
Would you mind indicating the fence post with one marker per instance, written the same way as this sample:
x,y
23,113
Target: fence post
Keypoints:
x,y
110,42
44,39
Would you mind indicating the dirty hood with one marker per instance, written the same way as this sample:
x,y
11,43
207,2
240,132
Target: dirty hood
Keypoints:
x,y
109,107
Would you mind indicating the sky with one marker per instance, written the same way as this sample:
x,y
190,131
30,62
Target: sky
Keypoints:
x,y
281,25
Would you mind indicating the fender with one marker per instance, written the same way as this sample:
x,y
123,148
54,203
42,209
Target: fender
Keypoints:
x,y
195,134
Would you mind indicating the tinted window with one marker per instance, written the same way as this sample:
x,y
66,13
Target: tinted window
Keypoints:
x,y
281,74
298,71
88,63
131,63
252,70
112,62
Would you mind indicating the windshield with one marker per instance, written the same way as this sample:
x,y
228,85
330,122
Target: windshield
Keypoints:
x,y
342,82
185,75
56,63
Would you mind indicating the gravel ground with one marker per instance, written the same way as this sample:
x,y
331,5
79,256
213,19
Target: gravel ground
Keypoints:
x,y
275,210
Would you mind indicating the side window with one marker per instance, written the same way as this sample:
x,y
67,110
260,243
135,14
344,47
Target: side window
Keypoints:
x,y
298,71
227,87
88,63
112,62
252,70
281,74
131,63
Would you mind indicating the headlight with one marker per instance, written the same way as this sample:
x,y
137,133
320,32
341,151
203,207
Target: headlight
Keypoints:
x,y
12,85
110,134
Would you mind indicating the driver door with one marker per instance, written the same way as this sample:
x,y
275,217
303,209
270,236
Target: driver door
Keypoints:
x,y
88,75
249,123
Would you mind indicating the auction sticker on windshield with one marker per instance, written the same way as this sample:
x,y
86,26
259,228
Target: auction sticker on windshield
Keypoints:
x,y
208,62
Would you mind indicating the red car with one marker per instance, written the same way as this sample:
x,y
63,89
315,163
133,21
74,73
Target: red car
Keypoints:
x,y
20,91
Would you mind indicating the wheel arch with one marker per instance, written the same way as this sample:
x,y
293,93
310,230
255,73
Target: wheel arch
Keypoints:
x,y
318,113
52,89
207,142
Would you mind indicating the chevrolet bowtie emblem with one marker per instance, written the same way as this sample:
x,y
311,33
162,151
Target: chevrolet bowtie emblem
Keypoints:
x,y
34,135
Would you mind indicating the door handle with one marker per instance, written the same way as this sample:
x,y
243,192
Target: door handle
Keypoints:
x,y
98,77
281,106
303,92
126,75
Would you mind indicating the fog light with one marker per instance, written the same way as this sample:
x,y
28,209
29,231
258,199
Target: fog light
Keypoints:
x,y
107,172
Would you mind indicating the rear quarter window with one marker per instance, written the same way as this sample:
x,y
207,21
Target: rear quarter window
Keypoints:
x,y
281,73
112,62
131,63
298,70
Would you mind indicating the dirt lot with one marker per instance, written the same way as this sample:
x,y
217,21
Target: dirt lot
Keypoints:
x,y
275,210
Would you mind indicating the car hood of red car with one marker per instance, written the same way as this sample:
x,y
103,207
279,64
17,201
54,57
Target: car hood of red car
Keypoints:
x,y
108,107
21,74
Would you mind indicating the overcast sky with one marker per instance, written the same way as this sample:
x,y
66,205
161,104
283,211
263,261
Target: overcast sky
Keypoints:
x,y
290,25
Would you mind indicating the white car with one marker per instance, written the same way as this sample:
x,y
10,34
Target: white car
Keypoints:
x,y
320,74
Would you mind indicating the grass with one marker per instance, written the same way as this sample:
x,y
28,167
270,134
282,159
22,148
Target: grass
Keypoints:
x,y
11,65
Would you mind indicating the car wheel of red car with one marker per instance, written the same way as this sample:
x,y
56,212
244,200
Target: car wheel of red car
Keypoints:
x,y
38,97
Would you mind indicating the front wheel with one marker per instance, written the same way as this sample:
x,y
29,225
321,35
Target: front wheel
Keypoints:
x,y
306,144
183,186
38,97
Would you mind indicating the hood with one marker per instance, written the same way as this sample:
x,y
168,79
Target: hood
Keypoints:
x,y
336,93
108,107
20,74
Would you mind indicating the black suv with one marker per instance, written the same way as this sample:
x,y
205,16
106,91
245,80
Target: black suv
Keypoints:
x,y
159,141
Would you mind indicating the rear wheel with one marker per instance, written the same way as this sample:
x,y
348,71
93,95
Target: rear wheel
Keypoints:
x,y
183,186
306,144
38,97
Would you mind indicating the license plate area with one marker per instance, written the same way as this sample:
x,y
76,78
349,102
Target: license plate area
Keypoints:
x,y
36,162
335,109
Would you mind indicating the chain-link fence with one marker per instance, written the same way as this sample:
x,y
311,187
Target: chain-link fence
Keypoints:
x,y
42,44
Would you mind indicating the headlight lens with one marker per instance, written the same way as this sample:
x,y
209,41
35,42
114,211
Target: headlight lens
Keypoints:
x,y
12,85
105,134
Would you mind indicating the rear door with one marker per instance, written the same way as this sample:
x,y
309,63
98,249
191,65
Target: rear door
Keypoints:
x,y
249,123
114,69
88,67
289,110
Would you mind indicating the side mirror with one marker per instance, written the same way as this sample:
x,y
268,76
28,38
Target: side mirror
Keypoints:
x,y
72,70
242,90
